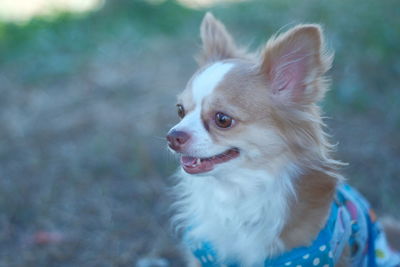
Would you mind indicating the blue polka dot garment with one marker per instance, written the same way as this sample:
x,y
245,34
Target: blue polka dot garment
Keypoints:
x,y
351,222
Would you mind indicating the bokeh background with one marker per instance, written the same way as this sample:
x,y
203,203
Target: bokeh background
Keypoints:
x,y
87,93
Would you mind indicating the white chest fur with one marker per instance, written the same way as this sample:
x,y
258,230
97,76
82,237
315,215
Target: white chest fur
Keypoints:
x,y
241,215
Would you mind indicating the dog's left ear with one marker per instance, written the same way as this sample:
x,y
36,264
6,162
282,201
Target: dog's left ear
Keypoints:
x,y
294,64
217,43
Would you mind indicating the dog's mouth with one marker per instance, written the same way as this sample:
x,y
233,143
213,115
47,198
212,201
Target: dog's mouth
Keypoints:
x,y
194,165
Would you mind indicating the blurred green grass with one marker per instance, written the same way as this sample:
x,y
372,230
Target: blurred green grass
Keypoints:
x,y
364,35
86,100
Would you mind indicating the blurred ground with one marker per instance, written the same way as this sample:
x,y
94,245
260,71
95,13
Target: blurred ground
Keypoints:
x,y
87,99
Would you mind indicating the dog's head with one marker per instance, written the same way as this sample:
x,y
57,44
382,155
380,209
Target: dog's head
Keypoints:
x,y
251,111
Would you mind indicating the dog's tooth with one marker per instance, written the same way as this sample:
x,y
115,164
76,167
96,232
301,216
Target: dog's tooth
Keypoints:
x,y
198,161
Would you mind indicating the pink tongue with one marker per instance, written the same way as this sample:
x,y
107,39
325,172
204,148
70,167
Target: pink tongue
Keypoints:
x,y
186,160
194,165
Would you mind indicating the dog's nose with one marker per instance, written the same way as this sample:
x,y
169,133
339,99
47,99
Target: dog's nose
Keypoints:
x,y
177,139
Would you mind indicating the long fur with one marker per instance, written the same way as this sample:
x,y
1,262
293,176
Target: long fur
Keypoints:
x,y
277,195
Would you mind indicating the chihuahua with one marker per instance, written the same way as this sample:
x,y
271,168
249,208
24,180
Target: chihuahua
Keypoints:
x,y
258,185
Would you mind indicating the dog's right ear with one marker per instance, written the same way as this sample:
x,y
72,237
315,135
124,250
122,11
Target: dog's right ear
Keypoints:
x,y
217,43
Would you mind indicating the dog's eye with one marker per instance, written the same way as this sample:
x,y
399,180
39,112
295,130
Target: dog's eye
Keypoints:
x,y
181,111
222,120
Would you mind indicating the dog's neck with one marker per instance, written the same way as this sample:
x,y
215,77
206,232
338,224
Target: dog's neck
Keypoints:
x,y
253,214
308,213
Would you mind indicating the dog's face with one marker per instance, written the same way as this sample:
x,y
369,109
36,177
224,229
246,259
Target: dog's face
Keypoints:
x,y
237,110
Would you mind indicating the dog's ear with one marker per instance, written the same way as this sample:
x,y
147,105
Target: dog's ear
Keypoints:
x,y
217,43
294,64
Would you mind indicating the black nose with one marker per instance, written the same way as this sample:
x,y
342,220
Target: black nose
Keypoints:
x,y
177,139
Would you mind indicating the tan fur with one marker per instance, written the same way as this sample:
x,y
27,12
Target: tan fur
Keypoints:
x,y
318,60
299,125
217,42
309,212
316,187
288,125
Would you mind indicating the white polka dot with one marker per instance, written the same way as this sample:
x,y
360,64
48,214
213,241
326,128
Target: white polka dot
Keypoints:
x,y
306,256
330,254
299,265
210,257
203,259
326,265
288,263
322,248
316,261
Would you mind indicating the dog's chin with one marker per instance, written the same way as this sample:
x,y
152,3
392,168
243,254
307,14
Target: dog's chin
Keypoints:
x,y
198,165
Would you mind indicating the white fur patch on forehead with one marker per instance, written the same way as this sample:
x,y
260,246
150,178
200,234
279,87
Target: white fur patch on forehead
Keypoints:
x,y
204,84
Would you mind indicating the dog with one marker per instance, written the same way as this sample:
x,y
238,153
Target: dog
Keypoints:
x,y
258,185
